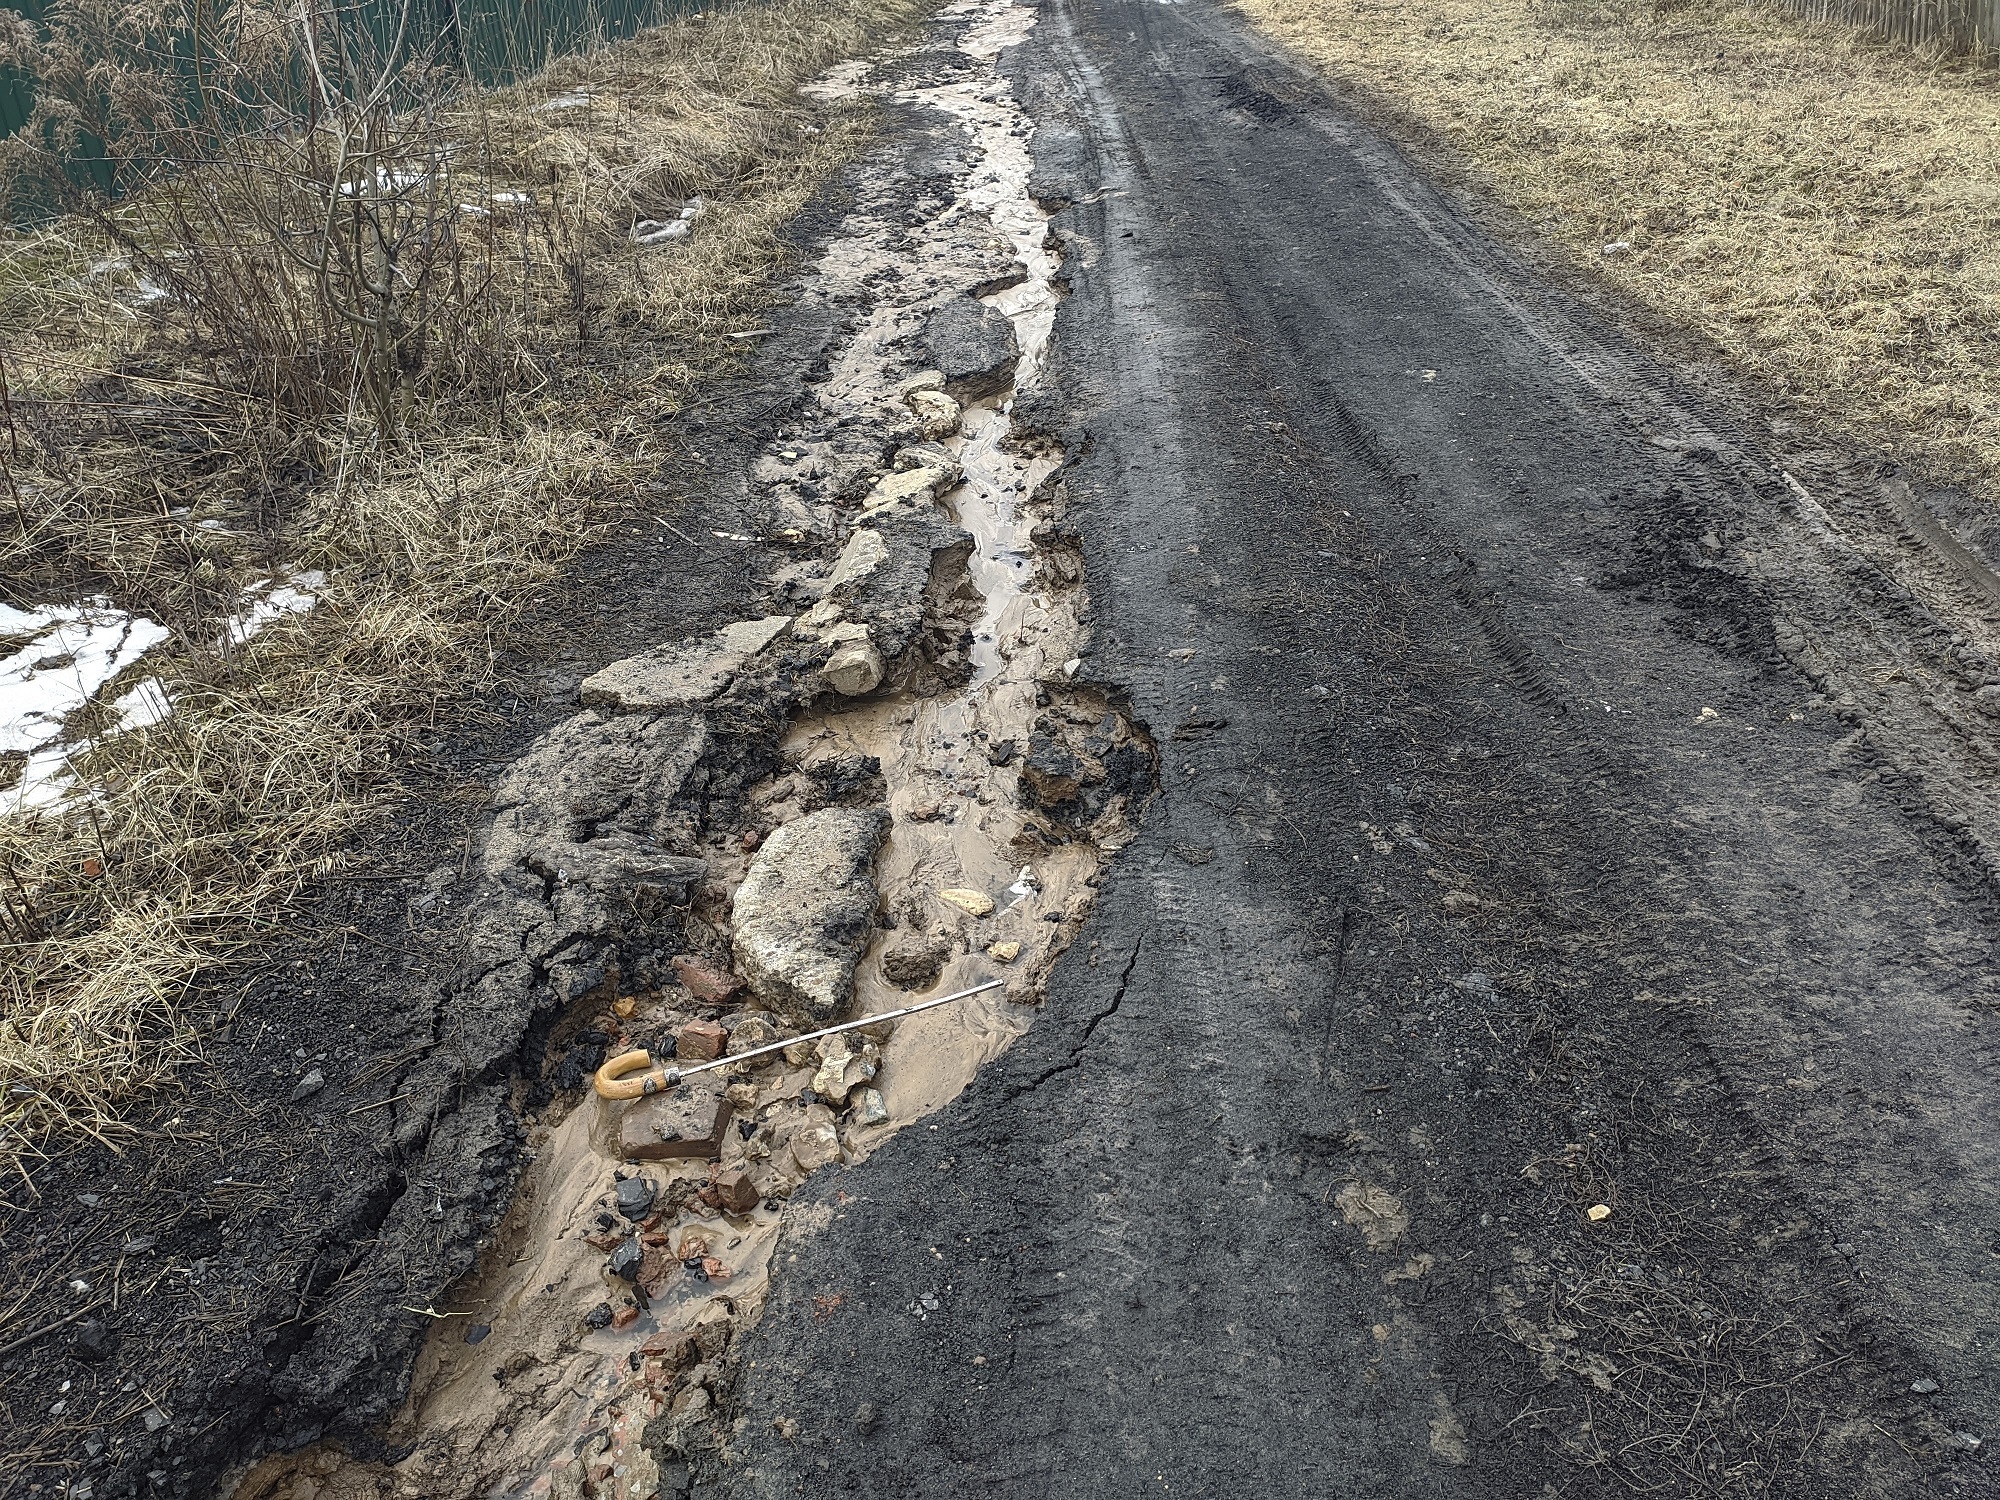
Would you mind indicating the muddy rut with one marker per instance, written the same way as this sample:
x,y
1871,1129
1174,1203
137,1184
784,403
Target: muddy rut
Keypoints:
x,y
916,668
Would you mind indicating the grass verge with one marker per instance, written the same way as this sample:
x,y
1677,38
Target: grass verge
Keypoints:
x,y
154,460
1822,208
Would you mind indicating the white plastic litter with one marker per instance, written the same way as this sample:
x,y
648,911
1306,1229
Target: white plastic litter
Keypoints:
x,y
659,232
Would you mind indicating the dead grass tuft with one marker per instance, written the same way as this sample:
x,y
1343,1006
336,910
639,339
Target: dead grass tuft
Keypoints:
x,y
1820,207
171,451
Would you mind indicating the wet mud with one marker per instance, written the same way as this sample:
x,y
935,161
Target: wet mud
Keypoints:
x,y
1006,784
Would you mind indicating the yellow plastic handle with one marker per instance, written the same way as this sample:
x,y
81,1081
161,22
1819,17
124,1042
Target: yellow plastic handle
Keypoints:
x,y
622,1078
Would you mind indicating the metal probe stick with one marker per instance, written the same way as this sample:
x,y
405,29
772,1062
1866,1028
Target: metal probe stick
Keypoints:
x,y
675,1075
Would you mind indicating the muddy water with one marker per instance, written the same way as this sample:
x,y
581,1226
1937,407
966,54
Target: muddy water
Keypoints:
x,y
512,1396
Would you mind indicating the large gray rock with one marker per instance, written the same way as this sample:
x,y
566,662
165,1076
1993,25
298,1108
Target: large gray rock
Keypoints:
x,y
684,674
804,911
974,346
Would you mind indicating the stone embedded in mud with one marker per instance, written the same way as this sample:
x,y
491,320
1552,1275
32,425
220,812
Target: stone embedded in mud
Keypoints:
x,y
914,960
973,346
803,912
752,1030
935,412
843,1068
624,1263
911,489
1004,953
735,1190
700,1041
923,380
973,903
815,1143
864,553
873,1108
707,982
855,666
684,674
634,1197
685,1122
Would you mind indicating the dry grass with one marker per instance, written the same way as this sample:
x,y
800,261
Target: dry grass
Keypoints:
x,y
524,430
1823,209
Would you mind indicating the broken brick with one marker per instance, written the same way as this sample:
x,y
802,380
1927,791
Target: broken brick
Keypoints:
x,y
686,1122
706,982
737,1192
700,1041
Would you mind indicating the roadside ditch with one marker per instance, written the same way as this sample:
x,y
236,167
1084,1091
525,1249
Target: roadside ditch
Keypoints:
x,y
888,787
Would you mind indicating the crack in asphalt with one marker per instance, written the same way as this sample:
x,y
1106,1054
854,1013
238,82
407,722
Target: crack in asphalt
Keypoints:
x,y
1075,1060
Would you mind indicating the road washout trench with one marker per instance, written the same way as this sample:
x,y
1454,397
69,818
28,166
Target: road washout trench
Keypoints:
x,y
923,708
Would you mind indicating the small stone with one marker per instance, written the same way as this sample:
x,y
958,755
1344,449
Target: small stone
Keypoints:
x,y
1924,1387
923,380
1004,953
1460,901
873,1108
842,1069
1965,1442
735,1190
936,413
865,1417
626,1316
95,1342
913,960
700,1041
690,1121
634,1197
976,903
626,1007
750,1032
750,840
1597,1213
705,981
855,666
816,1143
154,1419
307,1086
625,1259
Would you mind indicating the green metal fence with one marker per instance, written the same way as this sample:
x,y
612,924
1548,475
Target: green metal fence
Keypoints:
x,y
490,41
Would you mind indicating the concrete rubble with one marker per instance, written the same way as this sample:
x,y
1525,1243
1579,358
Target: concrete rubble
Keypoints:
x,y
804,910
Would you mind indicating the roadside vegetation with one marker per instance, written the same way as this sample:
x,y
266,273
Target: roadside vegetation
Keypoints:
x,y
333,389
1821,208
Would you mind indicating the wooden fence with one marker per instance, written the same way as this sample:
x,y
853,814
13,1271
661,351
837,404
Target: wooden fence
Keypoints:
x,y
1955,27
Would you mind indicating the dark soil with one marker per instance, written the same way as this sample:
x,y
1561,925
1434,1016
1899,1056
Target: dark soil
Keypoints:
x,y
1563,810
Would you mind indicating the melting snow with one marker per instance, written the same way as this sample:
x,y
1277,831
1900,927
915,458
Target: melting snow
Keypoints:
x,y
71,651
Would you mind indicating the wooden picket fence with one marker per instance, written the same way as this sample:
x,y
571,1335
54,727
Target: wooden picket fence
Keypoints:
x,y
1952,27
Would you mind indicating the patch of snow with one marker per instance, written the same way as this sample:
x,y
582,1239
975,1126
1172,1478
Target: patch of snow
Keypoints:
x,y
271,600
72,651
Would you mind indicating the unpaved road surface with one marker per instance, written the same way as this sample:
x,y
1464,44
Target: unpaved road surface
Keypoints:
x,y
1576,794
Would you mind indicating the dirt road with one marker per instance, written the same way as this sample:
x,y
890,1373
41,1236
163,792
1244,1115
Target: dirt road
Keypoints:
x,y
1577,795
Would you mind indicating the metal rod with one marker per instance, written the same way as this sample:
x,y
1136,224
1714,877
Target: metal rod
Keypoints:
x,y
813,1036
